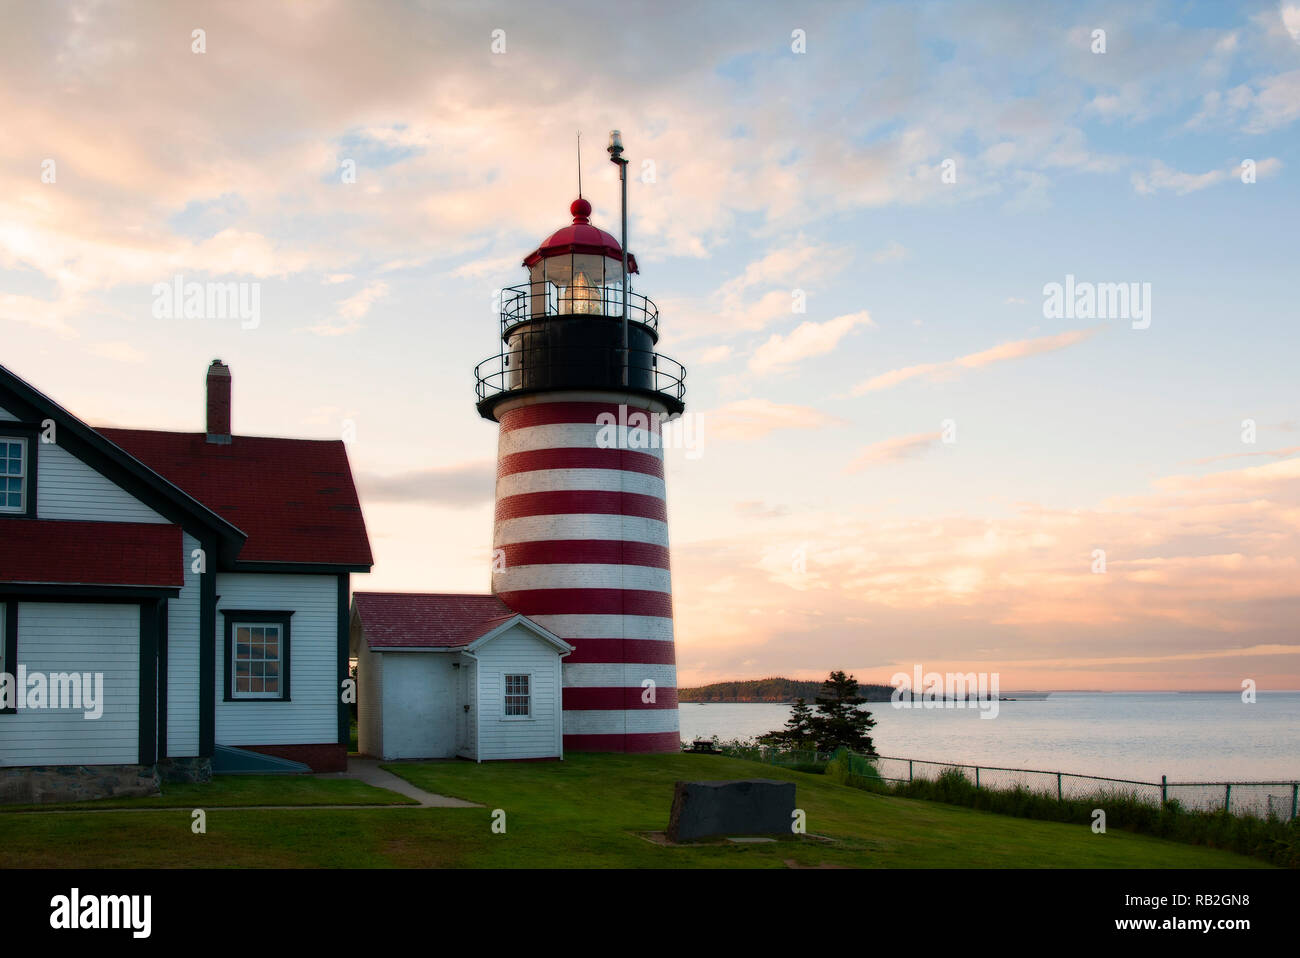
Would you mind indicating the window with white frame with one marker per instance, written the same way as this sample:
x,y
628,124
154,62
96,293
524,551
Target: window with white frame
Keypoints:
x,y
518,696
13,474
257,660
257,655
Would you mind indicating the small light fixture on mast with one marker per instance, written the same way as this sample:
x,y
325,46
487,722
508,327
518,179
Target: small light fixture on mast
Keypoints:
x,y
616,156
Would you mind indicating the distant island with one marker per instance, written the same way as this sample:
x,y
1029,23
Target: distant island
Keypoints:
x,y
785,691
773,690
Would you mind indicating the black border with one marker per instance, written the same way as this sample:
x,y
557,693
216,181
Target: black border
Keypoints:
x,y
280,618
344,626
148,683
10,640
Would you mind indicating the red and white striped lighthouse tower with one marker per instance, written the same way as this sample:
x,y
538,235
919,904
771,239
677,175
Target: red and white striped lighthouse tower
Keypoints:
x,y
581,532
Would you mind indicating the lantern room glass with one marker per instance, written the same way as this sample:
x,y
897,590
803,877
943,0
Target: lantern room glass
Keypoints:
x,y
573,284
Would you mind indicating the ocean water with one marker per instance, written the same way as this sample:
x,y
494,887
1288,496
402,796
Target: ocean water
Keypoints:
x,y
1191,736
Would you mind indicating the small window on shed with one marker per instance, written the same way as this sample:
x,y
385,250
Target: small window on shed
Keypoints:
x,y
518,704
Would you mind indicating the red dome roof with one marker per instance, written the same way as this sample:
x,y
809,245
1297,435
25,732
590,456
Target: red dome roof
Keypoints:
x,y
580,237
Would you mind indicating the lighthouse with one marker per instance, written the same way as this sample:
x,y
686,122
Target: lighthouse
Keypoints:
x,y
580,535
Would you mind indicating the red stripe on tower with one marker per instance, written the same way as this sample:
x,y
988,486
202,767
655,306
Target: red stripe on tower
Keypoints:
x,y
577,560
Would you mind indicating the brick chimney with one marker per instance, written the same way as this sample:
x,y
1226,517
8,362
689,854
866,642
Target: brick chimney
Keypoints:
x,y
219,402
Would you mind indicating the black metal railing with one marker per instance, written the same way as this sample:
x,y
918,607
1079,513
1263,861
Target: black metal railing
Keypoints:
x,y
519,304
589,368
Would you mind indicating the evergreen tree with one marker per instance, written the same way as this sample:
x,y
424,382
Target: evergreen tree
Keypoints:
x,y
839,721
797,732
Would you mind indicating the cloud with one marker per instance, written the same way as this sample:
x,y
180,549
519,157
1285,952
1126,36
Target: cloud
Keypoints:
x,y
1265,105
758,509
1014,350
459,486
748,419
892,450
352,310
1290,14
894,252
118,351
1274,453
1195,573
1161,177
714,354
1250,478
805,341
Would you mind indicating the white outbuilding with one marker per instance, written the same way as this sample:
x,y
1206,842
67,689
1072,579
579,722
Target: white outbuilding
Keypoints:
x,y
455,676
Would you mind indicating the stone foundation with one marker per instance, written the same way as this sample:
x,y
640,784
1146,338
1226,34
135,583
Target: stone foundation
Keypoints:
x,y
46,784
197,770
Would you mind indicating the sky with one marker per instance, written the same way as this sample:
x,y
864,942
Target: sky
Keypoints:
x,y
851,217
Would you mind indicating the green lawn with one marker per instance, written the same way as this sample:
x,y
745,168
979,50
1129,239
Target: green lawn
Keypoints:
x,y
245,790
588,811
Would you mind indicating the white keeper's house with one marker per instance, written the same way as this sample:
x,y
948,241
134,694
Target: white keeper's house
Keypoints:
x,y
204,576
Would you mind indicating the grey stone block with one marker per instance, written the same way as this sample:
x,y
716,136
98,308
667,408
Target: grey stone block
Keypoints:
x,y
755,806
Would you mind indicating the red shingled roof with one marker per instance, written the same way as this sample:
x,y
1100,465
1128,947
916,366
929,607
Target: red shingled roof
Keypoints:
x,y
579,237
425,620
92,553
294,498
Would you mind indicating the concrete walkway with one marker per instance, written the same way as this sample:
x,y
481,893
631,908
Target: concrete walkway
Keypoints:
x,y
367,770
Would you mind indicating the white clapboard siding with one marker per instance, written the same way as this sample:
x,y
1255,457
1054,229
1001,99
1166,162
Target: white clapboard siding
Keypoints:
x,y
67,488
519,651
73,637
419,705
370,683
311,715
183,662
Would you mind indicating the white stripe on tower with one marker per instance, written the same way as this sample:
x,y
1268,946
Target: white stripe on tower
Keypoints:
x,y
581,542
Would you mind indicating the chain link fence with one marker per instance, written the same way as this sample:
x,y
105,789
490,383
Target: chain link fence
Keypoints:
x,y
1261,799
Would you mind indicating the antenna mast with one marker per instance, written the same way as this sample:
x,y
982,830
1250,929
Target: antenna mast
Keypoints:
x,y
579,164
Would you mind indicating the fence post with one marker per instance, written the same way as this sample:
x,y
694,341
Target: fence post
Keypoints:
x,y
977,776
1227,798
909,769
1164,790
1295,789
1058,787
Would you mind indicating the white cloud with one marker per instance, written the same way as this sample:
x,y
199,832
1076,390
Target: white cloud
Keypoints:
x,y
891,253
351,311
892,450
1013,350
118,351
807,340
747,419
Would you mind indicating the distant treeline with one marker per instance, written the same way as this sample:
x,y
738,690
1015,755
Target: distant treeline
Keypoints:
x,y
773,690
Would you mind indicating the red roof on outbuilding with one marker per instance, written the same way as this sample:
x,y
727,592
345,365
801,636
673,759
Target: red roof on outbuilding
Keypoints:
x,y
59,551
426,620
293,498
